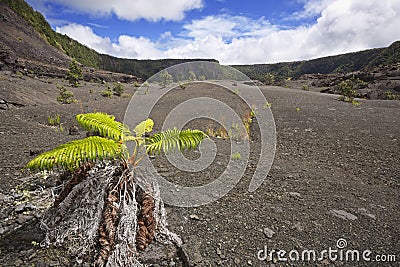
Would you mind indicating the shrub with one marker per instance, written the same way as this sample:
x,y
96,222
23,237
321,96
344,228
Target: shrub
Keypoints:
x,y
147,86
202,78
74,74
267,105
118,89
389,95
53,121
106,93
182,85
269,79
347,90
236,156
66,96
165,79
192,76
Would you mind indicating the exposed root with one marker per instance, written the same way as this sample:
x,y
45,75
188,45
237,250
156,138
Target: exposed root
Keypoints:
x,y
146,223
125,250
79,175
99,219
75,221
107,227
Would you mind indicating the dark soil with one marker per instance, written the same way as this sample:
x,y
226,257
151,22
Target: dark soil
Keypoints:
x,y
336,175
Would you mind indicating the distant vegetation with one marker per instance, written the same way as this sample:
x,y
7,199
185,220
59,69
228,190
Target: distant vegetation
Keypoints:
x,y
66,96
140,68
74,74
333,64
85,55
347,89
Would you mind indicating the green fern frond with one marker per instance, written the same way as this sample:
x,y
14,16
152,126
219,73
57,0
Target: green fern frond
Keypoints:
x,y
72,154
144,127
174,139
103,124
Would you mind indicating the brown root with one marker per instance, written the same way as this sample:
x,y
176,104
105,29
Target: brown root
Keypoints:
x,y
108,227
146,222
79,175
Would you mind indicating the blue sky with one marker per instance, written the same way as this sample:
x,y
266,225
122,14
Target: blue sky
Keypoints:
x,y
231,31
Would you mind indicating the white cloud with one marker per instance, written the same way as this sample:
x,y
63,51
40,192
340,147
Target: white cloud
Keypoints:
x,y
125,47
152,10
228,27
132,47
86,36
341,26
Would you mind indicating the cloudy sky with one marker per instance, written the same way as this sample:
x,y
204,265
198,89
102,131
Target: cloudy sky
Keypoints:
x,y
231,31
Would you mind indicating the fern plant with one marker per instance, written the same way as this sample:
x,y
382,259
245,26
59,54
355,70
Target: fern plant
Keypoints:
x,y
132,210
110,144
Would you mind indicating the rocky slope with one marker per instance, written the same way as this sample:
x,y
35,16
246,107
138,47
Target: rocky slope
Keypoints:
x,y
25,51
381,82
21,46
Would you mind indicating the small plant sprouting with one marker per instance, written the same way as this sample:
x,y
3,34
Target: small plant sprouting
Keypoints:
x,y
107,93
202,78
192,76
267,105
253,111
218,133
248,119
305,87
236,156
234,132
118,89
236,91
165,79
390,96
54,121
182,85
147,86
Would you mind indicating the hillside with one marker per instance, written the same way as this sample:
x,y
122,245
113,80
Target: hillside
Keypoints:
x,y
21,45
344,63
83,54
